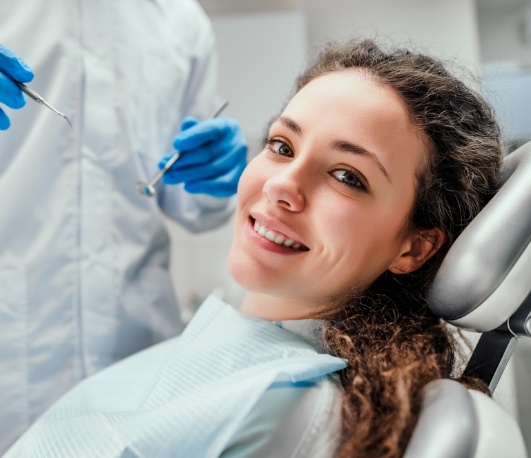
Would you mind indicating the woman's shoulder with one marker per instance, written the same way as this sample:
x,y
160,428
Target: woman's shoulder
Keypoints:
x,y
292,420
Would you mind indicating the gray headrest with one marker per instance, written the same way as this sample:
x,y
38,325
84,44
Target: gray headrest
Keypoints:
x,y
486,275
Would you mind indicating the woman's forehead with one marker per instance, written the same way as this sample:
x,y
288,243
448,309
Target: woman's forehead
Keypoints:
x,y
346,89
349,100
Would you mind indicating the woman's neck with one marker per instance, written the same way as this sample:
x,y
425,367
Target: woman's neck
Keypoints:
x,y
275,308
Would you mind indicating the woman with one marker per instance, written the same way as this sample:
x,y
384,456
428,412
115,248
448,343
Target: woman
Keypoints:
x,y
374,167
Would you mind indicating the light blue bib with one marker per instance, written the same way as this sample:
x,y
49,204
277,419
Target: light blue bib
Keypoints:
x,y
185,397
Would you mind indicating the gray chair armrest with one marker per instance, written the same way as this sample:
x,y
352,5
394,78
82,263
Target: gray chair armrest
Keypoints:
x,y
499,433
459,423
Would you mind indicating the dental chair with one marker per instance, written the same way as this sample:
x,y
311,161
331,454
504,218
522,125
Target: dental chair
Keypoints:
x,y
483,285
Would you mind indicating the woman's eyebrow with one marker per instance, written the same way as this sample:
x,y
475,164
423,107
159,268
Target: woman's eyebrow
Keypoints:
x,y
290,124
346,147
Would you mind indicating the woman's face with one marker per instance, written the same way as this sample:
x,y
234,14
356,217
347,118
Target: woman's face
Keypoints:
x,y
324,207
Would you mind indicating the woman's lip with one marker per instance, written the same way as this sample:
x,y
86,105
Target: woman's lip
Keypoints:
x,y
266,244
276,226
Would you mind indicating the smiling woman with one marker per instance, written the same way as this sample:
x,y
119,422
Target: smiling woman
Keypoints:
x,y
338,177
371,171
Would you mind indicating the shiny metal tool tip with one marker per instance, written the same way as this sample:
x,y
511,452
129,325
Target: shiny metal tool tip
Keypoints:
x,y
39,99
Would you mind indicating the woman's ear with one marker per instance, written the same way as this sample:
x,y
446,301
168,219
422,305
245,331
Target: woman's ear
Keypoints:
x,y
418,248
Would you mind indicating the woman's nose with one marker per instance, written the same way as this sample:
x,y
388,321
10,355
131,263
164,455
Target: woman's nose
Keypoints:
x,y
285,190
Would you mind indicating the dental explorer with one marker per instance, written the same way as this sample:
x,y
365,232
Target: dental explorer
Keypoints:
x,y
148,189
39,99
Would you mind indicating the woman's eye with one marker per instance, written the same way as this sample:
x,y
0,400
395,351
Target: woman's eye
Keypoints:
x,y
350,178
279,147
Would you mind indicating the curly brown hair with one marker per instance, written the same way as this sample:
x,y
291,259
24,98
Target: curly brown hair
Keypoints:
x,y
393,343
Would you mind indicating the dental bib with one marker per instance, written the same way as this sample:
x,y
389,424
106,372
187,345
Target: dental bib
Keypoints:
x,y
185,397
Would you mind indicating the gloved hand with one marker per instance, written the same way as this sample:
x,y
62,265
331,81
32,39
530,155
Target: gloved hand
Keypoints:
x,y
11,68
213,154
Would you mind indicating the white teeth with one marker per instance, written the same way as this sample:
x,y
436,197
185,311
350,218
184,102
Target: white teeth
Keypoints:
x,y
270,235
279,239
274,237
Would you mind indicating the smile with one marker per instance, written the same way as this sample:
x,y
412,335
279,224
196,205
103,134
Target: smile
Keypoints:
x,y
277,237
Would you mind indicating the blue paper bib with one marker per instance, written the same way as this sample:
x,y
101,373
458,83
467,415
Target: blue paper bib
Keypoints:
x,y
185,397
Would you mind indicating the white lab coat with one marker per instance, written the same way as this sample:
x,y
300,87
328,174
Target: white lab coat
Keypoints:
x,y
84,275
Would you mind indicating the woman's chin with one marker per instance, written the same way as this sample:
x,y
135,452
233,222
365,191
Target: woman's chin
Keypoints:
x,y
241,272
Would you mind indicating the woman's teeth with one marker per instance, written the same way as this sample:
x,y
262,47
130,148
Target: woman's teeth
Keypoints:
x,y
275,237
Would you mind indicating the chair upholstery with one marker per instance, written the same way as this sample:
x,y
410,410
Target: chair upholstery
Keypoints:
x,y
483,285
486,275
459,423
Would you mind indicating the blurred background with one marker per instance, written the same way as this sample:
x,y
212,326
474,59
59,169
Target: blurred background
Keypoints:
x,y
263,44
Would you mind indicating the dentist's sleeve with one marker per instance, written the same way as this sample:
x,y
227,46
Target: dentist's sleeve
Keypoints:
x,y
197,212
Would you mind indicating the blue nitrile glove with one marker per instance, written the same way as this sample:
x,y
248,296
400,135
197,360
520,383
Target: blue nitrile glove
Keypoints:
x,y
11,68
213,154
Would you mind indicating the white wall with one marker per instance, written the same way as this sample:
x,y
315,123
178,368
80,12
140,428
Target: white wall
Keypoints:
x,y
446,28
505,32
505,38
508,89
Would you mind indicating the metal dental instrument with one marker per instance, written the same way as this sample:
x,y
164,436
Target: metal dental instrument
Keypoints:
x,y
39,99
148,189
